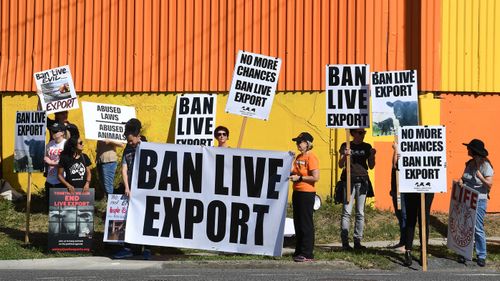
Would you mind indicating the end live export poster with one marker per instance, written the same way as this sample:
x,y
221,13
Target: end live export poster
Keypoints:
x,y
71,220
56,89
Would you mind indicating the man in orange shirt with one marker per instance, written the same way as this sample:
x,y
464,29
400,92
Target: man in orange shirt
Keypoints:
x,y
305,174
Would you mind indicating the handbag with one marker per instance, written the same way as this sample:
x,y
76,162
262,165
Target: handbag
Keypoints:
x,y
338,195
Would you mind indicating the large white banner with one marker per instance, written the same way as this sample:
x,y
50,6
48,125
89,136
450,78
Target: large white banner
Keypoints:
x,y
116,218
347,96
462,220
422,162
210,198
255,78
56,90
195,119
106,121
394,101
29,143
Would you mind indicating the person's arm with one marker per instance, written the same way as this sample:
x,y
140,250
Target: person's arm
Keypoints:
x,y
487,181
395,155
87,181
113,142
60,176
371,158
125,178
344,153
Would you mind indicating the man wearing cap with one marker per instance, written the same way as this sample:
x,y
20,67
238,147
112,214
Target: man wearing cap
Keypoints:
x,y
478,175
362,157
52,152
305,173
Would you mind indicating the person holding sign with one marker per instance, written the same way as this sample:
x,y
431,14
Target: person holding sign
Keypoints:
x,y
305,173
62,118
74,166
478,174
106,163
52,154
362,157
399,212
134,138
221,133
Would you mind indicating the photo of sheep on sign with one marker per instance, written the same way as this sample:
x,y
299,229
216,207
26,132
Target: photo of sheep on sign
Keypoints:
x,y
394,101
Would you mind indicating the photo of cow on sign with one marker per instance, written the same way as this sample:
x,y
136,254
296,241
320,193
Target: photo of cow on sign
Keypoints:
x,y
394,101
347,97
231,200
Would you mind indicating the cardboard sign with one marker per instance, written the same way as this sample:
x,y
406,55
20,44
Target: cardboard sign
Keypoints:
x,y
255,78
71,220
462,220
116,218
106,121
29,140
347,96
56,90
210,198
422,161
394,101
195,119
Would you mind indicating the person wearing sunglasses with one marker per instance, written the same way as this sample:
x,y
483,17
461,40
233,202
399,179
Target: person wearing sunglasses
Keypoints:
x,y
221,134
362,158
74,166
305,173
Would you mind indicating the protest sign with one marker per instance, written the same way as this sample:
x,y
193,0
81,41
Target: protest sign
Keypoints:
x,y
56,90
71,220
116,218
210,198
347,97
422,162
29,141
394,101
462,220
195,119
255,78
106,121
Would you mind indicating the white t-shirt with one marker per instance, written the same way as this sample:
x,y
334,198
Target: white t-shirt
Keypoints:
x,y
53,151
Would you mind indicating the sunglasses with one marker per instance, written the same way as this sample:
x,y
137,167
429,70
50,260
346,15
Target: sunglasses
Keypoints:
x,y
80,142
221,134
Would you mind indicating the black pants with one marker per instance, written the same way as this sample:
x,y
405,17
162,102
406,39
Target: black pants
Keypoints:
x,y
303,203
47,189
412,204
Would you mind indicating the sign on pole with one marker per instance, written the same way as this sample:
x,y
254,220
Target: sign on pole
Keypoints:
x,y
195,119
202,197
116,218
29,140
56,90
462,220
422,162
106,121
394,101
347,96
253,87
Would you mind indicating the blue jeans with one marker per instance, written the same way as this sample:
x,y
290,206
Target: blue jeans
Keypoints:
x,y
479,234
107,176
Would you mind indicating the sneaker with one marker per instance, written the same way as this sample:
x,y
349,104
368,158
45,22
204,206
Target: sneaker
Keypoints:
x,y
408,260
301,258
358,246
123,254
146,254
481,262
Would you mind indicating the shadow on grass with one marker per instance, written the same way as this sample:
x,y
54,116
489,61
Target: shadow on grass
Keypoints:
x,y
439,226
391,255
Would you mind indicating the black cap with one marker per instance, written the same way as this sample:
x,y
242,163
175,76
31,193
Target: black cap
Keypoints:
x,y
477,146
56,127
304,136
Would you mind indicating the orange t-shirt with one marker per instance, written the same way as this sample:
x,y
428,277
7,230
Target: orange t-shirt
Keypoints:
x,y
303,166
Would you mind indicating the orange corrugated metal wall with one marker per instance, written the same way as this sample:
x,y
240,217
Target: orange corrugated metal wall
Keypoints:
x,y
190,45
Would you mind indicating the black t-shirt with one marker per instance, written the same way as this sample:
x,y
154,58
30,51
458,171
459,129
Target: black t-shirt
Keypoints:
x,y
75,169
128,159
359,159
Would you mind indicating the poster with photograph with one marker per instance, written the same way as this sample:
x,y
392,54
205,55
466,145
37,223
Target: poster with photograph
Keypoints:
x,y
394,101
71,220
195,119
56,89
254,83
106,121
29,139
462,220
422,161
347,96
116,218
